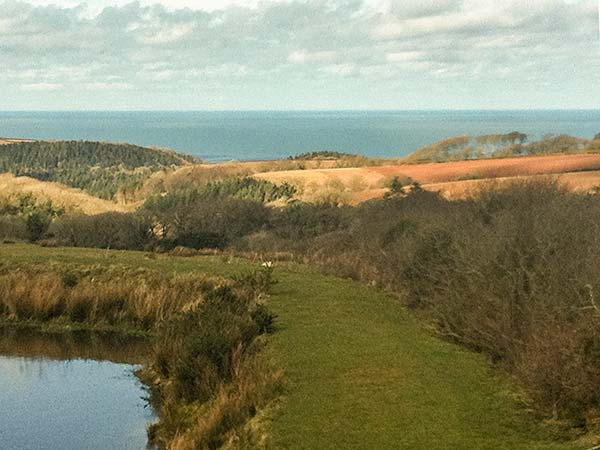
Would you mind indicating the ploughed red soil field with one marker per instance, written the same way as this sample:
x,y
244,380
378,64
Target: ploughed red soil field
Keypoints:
x,y
362,183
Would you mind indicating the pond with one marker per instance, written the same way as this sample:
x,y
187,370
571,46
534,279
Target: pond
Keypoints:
x,y
75,391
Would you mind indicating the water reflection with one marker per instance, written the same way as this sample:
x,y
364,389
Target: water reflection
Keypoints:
x,y
71,392
101,346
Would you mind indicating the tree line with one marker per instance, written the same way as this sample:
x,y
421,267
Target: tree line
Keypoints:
x,y
99,168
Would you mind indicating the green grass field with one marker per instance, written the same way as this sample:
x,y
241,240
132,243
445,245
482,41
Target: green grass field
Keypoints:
x,y
361,372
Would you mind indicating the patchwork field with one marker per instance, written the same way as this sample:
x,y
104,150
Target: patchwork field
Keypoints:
x,y
574,181
454,178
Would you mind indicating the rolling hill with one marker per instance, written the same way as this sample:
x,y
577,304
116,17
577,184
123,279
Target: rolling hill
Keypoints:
x,y
466,147
100,168
354,185
60,195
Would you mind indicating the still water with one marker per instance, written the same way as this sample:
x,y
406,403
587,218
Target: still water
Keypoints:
x,y
71,392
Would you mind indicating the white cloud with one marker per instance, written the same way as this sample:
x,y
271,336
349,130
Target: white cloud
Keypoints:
x,y
224,46
342,70
99,86
404,56
41,86
304,56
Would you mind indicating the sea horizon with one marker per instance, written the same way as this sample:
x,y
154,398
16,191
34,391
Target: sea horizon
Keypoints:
x,y
222,135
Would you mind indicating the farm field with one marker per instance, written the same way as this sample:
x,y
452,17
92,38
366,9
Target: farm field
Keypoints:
x,y
573,181
363,183
361,372
4,141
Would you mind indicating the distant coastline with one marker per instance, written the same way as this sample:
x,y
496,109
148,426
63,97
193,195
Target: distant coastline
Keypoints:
x,y
219,136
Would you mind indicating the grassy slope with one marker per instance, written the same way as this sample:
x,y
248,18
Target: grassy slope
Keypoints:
x,y
59,194
363,183
362,372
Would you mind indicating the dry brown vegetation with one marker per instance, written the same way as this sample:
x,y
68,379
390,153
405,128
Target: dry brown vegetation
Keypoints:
x,y
354,185
97,296
511,272
587,181
59,194
4,141
197,175
207,374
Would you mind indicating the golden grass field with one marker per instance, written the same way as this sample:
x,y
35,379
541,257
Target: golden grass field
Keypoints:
x,y
61,195
453,179
4,141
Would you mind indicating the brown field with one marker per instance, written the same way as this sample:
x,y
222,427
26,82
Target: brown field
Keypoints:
x,y
4,141
200,174
574,181
354,185
59,194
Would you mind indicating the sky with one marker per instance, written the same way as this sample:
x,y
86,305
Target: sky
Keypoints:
x,y
299,54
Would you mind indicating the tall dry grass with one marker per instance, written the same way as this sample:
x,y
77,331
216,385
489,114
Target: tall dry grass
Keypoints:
x,y
208,374
138,299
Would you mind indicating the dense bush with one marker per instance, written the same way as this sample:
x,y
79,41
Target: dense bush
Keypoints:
x,y
109,230
24,217
240,188
324,154
512,273
300,221
206,223
208,376
12,228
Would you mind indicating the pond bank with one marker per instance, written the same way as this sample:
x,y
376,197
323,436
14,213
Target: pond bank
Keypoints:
x,y
361,371
71,391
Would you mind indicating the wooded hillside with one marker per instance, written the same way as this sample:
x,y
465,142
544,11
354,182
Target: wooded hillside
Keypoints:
x,y
100,168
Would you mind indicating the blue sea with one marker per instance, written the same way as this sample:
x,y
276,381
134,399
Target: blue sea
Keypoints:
x,y
257,135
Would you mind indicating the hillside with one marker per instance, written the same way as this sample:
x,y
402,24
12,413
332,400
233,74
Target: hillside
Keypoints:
x,y
198,175
59,194
587,181
354,185
100,168
501,145
4,141
131,174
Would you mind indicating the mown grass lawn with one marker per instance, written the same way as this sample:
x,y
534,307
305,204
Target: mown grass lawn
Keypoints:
x,y
361,372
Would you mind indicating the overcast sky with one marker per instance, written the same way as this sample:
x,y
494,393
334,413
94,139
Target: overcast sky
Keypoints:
x,y
308,54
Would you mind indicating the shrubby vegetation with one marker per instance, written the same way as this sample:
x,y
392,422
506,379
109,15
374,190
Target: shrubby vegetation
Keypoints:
x,y
100,168
324,154
246,188
23,217
333,159
500,146
511,272
96,296
112,230
207,375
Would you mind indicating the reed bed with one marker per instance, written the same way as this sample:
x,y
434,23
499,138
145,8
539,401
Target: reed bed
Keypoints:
x,y
208,375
